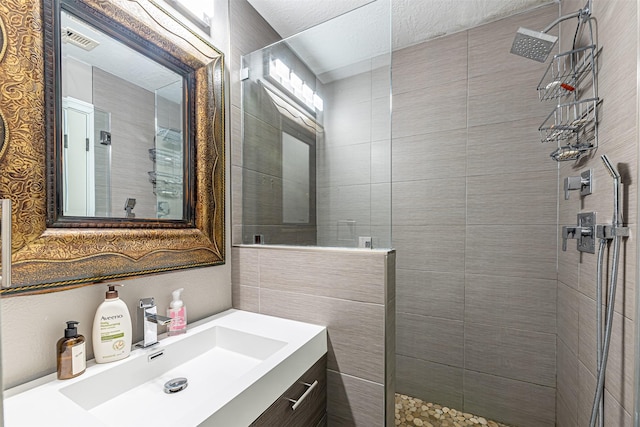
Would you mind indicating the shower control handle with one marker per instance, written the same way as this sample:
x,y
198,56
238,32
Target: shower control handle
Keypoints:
x,y
582,183
568,232
575,232
584,232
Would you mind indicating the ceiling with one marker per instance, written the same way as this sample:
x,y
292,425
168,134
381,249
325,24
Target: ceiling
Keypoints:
x,y
116,58
414,21
339,38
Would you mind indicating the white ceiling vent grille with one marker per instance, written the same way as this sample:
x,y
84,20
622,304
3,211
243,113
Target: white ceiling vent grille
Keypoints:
x,y
69,35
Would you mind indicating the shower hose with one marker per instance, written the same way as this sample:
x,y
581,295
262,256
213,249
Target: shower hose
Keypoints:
x,y
603,347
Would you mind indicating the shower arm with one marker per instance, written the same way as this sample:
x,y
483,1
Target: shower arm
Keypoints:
x,y
586,11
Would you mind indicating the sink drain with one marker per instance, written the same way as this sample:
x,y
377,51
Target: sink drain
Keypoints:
x,y
175,385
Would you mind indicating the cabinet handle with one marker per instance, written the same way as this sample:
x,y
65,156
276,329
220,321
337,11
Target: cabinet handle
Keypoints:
x,y
296,403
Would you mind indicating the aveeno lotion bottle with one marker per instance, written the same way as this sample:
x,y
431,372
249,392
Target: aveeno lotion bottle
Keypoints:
x,y
111,329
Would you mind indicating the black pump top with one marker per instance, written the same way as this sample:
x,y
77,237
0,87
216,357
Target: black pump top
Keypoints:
x,y
112,293
71,331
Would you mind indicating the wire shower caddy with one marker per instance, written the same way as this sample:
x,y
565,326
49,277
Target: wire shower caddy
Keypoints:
x,y
571,81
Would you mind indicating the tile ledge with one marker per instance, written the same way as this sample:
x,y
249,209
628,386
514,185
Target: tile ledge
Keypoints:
x,y
316,248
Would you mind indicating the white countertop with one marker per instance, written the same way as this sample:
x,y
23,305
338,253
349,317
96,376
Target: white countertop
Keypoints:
x,y
217,395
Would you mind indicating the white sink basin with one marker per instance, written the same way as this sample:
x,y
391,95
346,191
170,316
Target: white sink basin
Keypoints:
x,y
236,363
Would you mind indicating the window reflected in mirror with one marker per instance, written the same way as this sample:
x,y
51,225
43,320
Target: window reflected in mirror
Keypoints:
x,y
200,12
123,129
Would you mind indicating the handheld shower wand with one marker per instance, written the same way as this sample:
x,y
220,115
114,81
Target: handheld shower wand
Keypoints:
x,y
616,231
617,214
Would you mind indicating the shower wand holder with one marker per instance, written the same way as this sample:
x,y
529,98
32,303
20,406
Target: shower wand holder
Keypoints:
x,y
609,232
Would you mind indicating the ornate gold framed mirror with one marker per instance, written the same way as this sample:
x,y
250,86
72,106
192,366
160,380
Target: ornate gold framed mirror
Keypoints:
x,y
54,248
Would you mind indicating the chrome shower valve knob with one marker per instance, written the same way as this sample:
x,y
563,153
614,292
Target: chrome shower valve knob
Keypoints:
x,y
584,232
584,183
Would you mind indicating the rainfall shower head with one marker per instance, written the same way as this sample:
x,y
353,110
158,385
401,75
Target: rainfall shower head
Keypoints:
x,y
532,44
537,45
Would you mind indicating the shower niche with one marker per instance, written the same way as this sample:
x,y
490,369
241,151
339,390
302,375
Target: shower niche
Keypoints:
x,y
571,81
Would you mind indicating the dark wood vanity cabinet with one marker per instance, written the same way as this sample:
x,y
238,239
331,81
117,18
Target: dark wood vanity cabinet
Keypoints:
x,y
310,411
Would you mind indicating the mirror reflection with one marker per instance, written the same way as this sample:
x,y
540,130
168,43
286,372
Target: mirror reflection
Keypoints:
x,y
122,128
316,165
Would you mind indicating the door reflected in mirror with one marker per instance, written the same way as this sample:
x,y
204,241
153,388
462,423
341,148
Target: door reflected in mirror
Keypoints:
x,y
123,129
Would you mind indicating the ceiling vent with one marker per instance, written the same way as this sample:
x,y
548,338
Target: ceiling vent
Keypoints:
x,y
69,35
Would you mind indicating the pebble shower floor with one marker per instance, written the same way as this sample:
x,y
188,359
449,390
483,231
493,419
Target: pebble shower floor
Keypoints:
x,y
412,412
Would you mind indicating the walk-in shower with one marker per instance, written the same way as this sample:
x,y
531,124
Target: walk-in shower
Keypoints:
x,y
476,301
563,79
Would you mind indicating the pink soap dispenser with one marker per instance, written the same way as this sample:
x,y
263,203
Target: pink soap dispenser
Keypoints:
x,y
178,314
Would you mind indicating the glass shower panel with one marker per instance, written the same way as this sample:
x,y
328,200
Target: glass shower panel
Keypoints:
x,y
327,88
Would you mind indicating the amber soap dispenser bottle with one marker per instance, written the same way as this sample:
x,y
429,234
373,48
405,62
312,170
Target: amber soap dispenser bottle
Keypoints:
x,y
72,358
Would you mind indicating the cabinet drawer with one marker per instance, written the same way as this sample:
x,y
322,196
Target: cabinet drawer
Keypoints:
x,y
309,411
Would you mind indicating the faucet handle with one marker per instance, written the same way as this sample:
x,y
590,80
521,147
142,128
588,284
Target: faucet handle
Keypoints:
x,y
568,232
147,302
571,183
582,183
584,232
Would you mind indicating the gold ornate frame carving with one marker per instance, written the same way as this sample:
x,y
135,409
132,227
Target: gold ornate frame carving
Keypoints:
x,y
3,39
4,134
47,259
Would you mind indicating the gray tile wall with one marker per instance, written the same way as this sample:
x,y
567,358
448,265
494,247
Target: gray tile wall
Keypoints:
x,y
474,225
132,134
351,292
617,33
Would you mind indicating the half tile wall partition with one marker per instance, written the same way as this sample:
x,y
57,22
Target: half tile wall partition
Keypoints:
x,y
352,292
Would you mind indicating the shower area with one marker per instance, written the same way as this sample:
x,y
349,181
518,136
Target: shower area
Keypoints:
x,y
495,323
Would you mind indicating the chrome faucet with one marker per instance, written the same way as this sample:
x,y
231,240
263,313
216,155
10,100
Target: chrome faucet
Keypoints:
x,y
150,319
